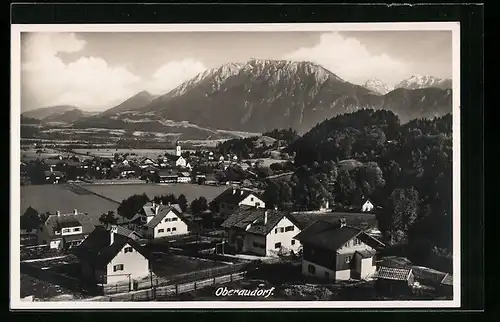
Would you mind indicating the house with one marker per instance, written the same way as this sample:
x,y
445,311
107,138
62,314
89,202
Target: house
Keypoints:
x,y
148,170
184,177
147,162
109,256
157,220
392,280
262,232
336,251
65,230
230,199
367,206
53,176
168,176
177,161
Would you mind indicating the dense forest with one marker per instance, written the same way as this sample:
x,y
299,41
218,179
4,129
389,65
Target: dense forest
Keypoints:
x,y
406,170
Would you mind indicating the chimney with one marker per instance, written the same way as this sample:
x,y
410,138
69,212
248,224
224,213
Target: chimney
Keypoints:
x,y
58,213
112,232
342,222
75,212
265,217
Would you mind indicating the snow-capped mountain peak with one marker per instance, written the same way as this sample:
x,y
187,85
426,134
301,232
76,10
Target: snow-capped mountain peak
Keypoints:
x,y
423,81
376,85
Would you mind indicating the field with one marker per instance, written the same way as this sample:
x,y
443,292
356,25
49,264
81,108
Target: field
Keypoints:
x,y
63,198
140,153
30,154
123,191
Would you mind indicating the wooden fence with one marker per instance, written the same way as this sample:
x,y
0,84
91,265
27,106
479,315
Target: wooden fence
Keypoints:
x,y
169,290
155,282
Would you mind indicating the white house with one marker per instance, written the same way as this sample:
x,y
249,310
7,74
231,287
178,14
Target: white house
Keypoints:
x,y
65,230
108,256
367,206
335,251
232,198
261,232
184,177
157,220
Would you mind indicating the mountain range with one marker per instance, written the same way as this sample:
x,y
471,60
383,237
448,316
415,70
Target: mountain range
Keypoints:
x,y
261,95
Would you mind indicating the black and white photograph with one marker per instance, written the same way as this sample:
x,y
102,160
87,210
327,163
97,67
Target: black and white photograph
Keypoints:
x,y
235,166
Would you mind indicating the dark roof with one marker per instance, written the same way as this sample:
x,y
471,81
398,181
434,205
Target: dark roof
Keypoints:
x,y
97,247
234,196
361,221
332,236
244,216
162,212
53,173
69,223
172,157
167,172
71,238
447,280
54,223
392,273
366,253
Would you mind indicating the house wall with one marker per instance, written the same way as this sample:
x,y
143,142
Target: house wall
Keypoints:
x,y
180,162
180,226
252,201
367,268
319,271
251,242
367,206
134,264
351,248
42,236
285,238
55,244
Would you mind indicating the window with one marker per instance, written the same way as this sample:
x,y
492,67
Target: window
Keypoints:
x,y
356,242
167,219
293,241
277,245
160,230
282,229
251,199
118,267
128,250
174,228
77,229
174,219
348,259
327,274
275,230
289,228
257,204
66,230
311,269
168,229
57,232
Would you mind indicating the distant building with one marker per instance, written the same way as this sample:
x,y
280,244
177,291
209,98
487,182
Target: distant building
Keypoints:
x,y
167,176
147,162
178,149
229,200
62,231
335,251
53,176
367,206
184,177
177,161
262,232
157,220
109,256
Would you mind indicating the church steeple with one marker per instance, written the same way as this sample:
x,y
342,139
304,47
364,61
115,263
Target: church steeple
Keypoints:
x,y
178,149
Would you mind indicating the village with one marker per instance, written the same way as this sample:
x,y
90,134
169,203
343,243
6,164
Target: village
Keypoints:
x,y
161,247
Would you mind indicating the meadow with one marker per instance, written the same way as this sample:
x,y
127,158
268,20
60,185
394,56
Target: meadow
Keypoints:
x,y
119,192
51,198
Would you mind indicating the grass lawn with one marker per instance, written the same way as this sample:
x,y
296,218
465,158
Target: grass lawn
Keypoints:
x,y
123,191
64,198
168,265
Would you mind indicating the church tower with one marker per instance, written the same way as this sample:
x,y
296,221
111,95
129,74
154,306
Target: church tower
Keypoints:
x,y
178,150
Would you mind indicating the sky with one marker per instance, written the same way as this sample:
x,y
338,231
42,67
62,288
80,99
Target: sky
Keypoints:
x,y
98,70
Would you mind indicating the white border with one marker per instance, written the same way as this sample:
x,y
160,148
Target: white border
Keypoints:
x,y
16,303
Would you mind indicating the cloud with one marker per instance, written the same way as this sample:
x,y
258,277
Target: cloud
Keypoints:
x,y
351,60
172,74
88,82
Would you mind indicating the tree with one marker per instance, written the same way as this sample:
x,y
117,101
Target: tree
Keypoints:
x,y
199,205
108,218
130,206
30,219
404,207
183,203
271,195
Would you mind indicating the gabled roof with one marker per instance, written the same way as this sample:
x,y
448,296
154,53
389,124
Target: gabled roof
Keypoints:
x,y
167,173
234,196
332,236
54,223
244,216
69,223
358,220
366,253
97,247
162,212
172,157
391,273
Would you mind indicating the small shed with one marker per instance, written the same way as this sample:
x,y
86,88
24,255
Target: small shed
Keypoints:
x,y
391,280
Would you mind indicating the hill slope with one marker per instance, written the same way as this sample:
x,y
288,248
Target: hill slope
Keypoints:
x,y
50,111
135,102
